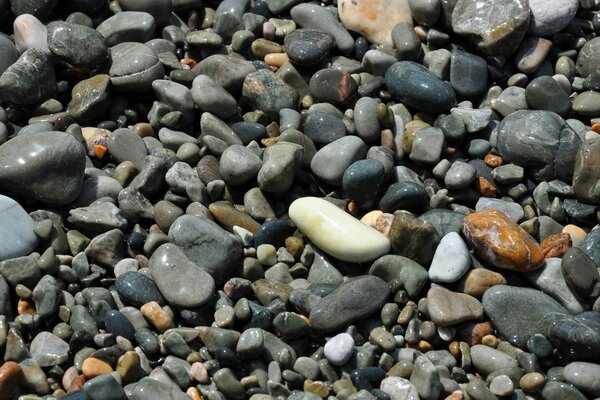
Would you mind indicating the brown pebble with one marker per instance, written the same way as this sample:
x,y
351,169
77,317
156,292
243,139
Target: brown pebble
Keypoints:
x,y
25,307
295,246
479,280
193,393
490,341
93,367
158,317
454,348
596,127
228,216
532,382
556,245
387,139
492,160
10,376
485,187
276,59
456,395
72,380
384,223
473,332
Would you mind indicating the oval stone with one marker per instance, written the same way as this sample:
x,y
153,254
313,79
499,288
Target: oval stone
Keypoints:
x,y
416,86
337,232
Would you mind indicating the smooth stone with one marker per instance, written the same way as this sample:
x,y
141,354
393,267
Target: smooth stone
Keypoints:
x,y
588,58
451,259
228,17
307,47
331,161
118,324
332,86
406,42
496,30
413,238
176,97
590,246
550,17
9,52
104,387
342,307
548,149
586,104
107,248
468,73
322,221
374,19
30,33
545,93
581,274
427,146
249,131
88,98
577,336
47,296
181,282
49,350
459,176
206,244
519,313
160,10
209,96
226,71
532,53
76,44
316,17
512,210
239,164
138,289
21,270
362,181
250,343
414,85
399,388
444,221
127,26
551,281
392,268
29,80
266,91
447,308
426,379
323,128
98,218
280,162
583,375
556,390
474,120
16,230
134,66
339,349
499,241
365,119
487,359
405,195
124,145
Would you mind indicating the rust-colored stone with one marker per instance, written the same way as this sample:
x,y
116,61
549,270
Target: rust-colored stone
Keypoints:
x,y
556,245
93,367
158,317
492,160
25,307
484,187
474,332
228,216
502,243
10,376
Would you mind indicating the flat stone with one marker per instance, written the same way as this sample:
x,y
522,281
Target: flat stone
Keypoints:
x,y
307,47
518,313
332,160
547,147
499,241
127,26
496,30
583,375
134,66
451,259
374,19
76,44
545,93
468,73
181,282
586,104
415,85
49,350
21,270
16,230
342,307
550,17
209,96
512,210
447,308
487,359
226,71
322,221
238,165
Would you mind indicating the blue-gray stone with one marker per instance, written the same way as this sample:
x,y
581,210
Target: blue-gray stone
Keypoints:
x,y
403,196
362,180
138,289
413,84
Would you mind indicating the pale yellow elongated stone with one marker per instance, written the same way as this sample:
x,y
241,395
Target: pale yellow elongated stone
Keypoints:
x,y
374,19
336,232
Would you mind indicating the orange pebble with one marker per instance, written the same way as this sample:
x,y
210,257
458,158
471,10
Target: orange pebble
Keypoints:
x,y
424,346
276,59
577,234
193,393
454,348
25,307
72,381
188,61
484,187
370,218
100,151
92,367
353,209
556,245
157,316
10,377
492,160
596,128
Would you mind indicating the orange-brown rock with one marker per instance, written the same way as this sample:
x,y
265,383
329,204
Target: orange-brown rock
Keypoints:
x,y
556,245
479,280
228,216
10,376
25,307
492,160
502,243
473,332
158,317
383,223
72,381
484,187
93,367
577,234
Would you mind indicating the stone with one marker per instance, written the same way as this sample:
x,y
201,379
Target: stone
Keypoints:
x,y
280,161
468,73
581,274
405,195
30,33
545,93
374,19
134,66
496,30
211,97
10,377
365,119
427,146
415,85
548,18
583,376
513,211
107,248
322,221
588,58
451,259
9,52
181,282
29,80
332,86
323,128
266,91
341,307
413,238
426,379
307,47
49,350
577,336
228,17
519,313
316,17
459,176
589,245
127,26
238,165
399,388
487,359
393,268
339,349
206,244
226,71
76,44
16,229
138,289
362,181
586,104
586,181
47,296
500,242
447,308
104,387
332,160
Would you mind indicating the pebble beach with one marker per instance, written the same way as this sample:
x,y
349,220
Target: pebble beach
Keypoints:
x,y
299,200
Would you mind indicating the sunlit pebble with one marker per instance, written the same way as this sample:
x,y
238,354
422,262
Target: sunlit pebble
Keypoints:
x,y
30,33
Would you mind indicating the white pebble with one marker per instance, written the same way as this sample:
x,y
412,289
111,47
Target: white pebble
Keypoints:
x,y
30,33
339,349
451,259
266,254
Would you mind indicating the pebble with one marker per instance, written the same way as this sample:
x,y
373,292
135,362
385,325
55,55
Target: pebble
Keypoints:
x,y
545,93
307,47
583,376
339,349
29,80
451,259
468,73
76,44
330,163
548,18
313,16
211,97
321,222
448,308
16,228
127,26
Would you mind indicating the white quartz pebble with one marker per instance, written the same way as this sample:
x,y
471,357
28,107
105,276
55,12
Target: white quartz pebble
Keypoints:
x,y
30,33
339,349
451,259
336,232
